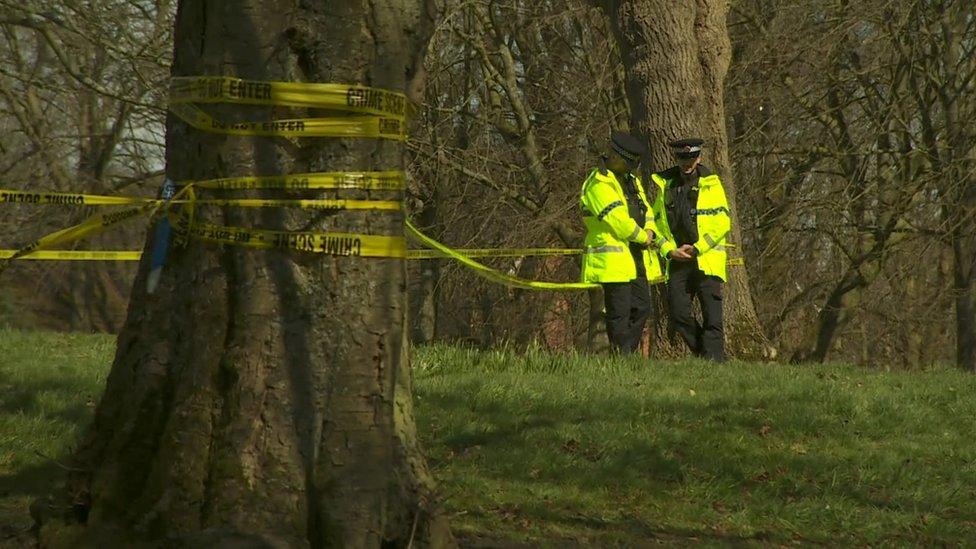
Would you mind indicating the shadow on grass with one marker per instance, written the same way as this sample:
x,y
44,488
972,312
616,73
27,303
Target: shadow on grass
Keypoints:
x,y
34,480
24,396
545,455
25,401
38,413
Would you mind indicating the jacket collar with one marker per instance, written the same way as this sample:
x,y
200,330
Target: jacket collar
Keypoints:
x,y
609,175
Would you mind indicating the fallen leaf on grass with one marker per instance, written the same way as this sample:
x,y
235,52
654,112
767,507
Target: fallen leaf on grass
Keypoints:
x,y
571,446
798,448
763,476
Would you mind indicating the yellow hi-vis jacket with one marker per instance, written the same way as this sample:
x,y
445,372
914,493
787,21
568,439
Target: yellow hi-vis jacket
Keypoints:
x,y
712,219
610,230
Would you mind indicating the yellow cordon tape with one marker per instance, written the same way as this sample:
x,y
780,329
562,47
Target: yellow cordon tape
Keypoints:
x,y
342,244
492,274
348,126
371,181
75,255
369,112
109,255
65,199
29,197
339,97
385,112
494,252
91,226
317,204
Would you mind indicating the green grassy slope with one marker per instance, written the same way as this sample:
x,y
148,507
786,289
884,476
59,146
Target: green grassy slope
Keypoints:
x,y
605,451
536,448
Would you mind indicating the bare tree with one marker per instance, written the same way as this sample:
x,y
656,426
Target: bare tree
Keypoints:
x,y
80,93
943,82
505,140
676,56
846,168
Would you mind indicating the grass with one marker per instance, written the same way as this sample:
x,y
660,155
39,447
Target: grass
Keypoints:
x,y
48,387
601,451
554,450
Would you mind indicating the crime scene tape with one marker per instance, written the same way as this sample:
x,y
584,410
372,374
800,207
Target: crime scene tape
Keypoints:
x,y
384,111
360,245
65,199
494,252
342,244
417,254
93,225
348,126
370,113
313,204
492,274
75,255
340,97
371,181
86,228
73,199
120,255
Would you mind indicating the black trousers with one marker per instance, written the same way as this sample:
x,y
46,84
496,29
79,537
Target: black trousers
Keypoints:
x,y
706,339
628,308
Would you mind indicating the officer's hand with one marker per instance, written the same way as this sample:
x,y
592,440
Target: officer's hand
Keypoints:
x,y
650,238
679,254
689,250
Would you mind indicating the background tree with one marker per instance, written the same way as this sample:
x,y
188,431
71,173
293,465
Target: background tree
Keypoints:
x,y
521,95
81,93
252,399
676,56
848,172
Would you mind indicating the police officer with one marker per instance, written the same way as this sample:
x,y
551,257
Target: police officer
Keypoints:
x,y
619,233
691,214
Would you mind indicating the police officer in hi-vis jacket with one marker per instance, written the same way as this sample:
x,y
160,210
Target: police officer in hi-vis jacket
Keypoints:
x,y
693,221
619,234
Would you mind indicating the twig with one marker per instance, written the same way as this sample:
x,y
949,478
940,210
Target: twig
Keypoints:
x,y
59,464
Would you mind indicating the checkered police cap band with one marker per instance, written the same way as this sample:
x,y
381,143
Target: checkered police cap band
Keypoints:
x,y
624,152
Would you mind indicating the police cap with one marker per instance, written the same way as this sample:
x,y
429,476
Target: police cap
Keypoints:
x,y
690,147
626,145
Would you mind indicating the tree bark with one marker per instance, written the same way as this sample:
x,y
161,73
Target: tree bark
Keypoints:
x,y
963,287
262,398
963,244
829,319
424,290
676,55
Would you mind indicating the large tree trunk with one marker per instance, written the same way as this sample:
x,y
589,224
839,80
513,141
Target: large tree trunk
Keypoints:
x,y
963,240
424,289
963,288
676,55
961,233
252,400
